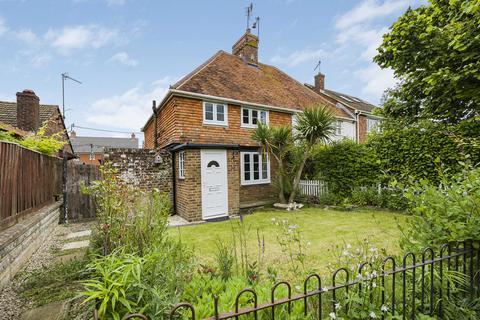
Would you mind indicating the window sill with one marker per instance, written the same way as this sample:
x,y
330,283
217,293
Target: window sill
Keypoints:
x,y
254,183
215,124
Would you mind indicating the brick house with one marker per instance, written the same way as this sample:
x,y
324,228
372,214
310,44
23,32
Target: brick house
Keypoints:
x,y
91,150
27,115
206,120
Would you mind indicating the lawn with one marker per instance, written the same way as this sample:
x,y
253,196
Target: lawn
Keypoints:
x,y
323,229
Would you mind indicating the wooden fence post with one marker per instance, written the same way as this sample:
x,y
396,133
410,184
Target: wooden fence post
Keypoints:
x,y
65,191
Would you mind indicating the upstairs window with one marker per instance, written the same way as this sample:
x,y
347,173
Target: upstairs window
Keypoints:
x,y
251,117
215,113
255,168
181,165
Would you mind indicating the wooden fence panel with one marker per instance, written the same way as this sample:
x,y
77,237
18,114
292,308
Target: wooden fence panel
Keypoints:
x,y
28,181
313,188
80,206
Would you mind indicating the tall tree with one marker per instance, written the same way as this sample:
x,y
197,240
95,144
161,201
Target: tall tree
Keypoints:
x,y
435,51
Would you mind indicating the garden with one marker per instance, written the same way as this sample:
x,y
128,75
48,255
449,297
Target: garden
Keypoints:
x,y
395,237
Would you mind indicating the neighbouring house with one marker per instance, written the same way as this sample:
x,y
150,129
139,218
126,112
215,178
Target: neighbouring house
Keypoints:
x,y
91,150
206,120
27,115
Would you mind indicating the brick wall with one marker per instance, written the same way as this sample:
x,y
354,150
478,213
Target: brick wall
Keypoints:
x,y
233,167
136,168
362,128
259,194
189,192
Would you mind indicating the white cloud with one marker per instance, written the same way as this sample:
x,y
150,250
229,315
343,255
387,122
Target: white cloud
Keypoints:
x,y
40,60
71,38
25,35
3,26
368,10
124,58
375,80
129,110
298,57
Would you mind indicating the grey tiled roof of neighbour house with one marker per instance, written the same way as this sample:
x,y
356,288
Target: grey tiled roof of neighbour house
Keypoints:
x,y
346,99
8,112
99,144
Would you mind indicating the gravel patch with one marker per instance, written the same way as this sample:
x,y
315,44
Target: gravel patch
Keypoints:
x,y
12,305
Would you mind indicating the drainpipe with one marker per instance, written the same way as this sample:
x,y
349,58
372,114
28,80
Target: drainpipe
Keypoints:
x,y
155,137
357,125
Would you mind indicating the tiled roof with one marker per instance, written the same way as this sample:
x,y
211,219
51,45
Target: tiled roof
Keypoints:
x,y
99,144
8,112
228,76
350,101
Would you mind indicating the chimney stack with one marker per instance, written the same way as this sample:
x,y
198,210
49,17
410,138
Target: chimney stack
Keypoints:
x,y
319,82
28,110
132,135
73,134
247,48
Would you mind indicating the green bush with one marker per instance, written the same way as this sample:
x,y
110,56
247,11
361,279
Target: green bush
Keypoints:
x,y
444,213
330,199
421,151
344,165
365,196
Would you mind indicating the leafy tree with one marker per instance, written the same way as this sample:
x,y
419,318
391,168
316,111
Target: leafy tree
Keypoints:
x,y
435,52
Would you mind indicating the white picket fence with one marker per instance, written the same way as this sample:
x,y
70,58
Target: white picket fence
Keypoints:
x,y
313,188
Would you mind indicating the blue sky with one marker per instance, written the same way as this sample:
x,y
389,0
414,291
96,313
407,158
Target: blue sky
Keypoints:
x,y
127,52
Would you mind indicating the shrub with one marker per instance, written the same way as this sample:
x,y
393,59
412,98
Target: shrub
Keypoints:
x,y
129,219
330,199
344,165
444,213
365,196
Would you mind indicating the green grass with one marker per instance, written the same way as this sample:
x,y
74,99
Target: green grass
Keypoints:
x,y
322,228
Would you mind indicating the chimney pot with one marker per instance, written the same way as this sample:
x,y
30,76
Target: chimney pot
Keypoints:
x,y
73,134
28,110
133,135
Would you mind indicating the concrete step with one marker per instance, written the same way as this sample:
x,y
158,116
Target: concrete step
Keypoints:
x,y
79,234
51,311
76,245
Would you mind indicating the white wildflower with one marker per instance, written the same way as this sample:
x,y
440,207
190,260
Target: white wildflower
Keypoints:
x,y
373,315
384,308
325,289
337,305
273,219
333,315
359,276
349,246
345,253
374,285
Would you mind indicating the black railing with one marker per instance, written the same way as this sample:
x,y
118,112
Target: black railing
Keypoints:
x,y
423,288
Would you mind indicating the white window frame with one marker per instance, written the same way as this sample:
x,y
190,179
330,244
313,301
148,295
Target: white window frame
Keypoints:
x,y
250,124
338,128
181,165
372,124
251,181
223,123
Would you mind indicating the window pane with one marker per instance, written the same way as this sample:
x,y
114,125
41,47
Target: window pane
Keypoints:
x,y
263,116
208,111
220,112
264,168
256,166
254,116
246,167
245,116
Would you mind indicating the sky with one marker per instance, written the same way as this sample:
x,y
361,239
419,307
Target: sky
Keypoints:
x,y
126,53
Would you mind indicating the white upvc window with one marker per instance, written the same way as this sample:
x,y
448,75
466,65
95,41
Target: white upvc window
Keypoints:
x,y
251,117
338,128
254,168
371,124
215,113
181,165
91,156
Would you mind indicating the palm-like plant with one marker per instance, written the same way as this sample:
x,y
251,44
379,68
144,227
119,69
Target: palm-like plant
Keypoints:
x,y
314,125
276,141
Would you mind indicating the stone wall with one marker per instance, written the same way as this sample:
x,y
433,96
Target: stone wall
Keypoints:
x,y
20,241
137,168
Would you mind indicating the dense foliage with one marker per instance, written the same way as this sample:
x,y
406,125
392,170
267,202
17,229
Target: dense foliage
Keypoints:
x,y
444,213
345,165
421,151
40,141
434,50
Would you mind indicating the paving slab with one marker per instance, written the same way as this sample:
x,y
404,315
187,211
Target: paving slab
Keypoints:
x,y
51,311
177,221
76,245
79,234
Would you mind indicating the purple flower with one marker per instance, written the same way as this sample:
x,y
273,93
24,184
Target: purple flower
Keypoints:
x,y
241,218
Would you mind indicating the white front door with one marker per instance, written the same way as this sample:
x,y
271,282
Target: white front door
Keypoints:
x,y
214,184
